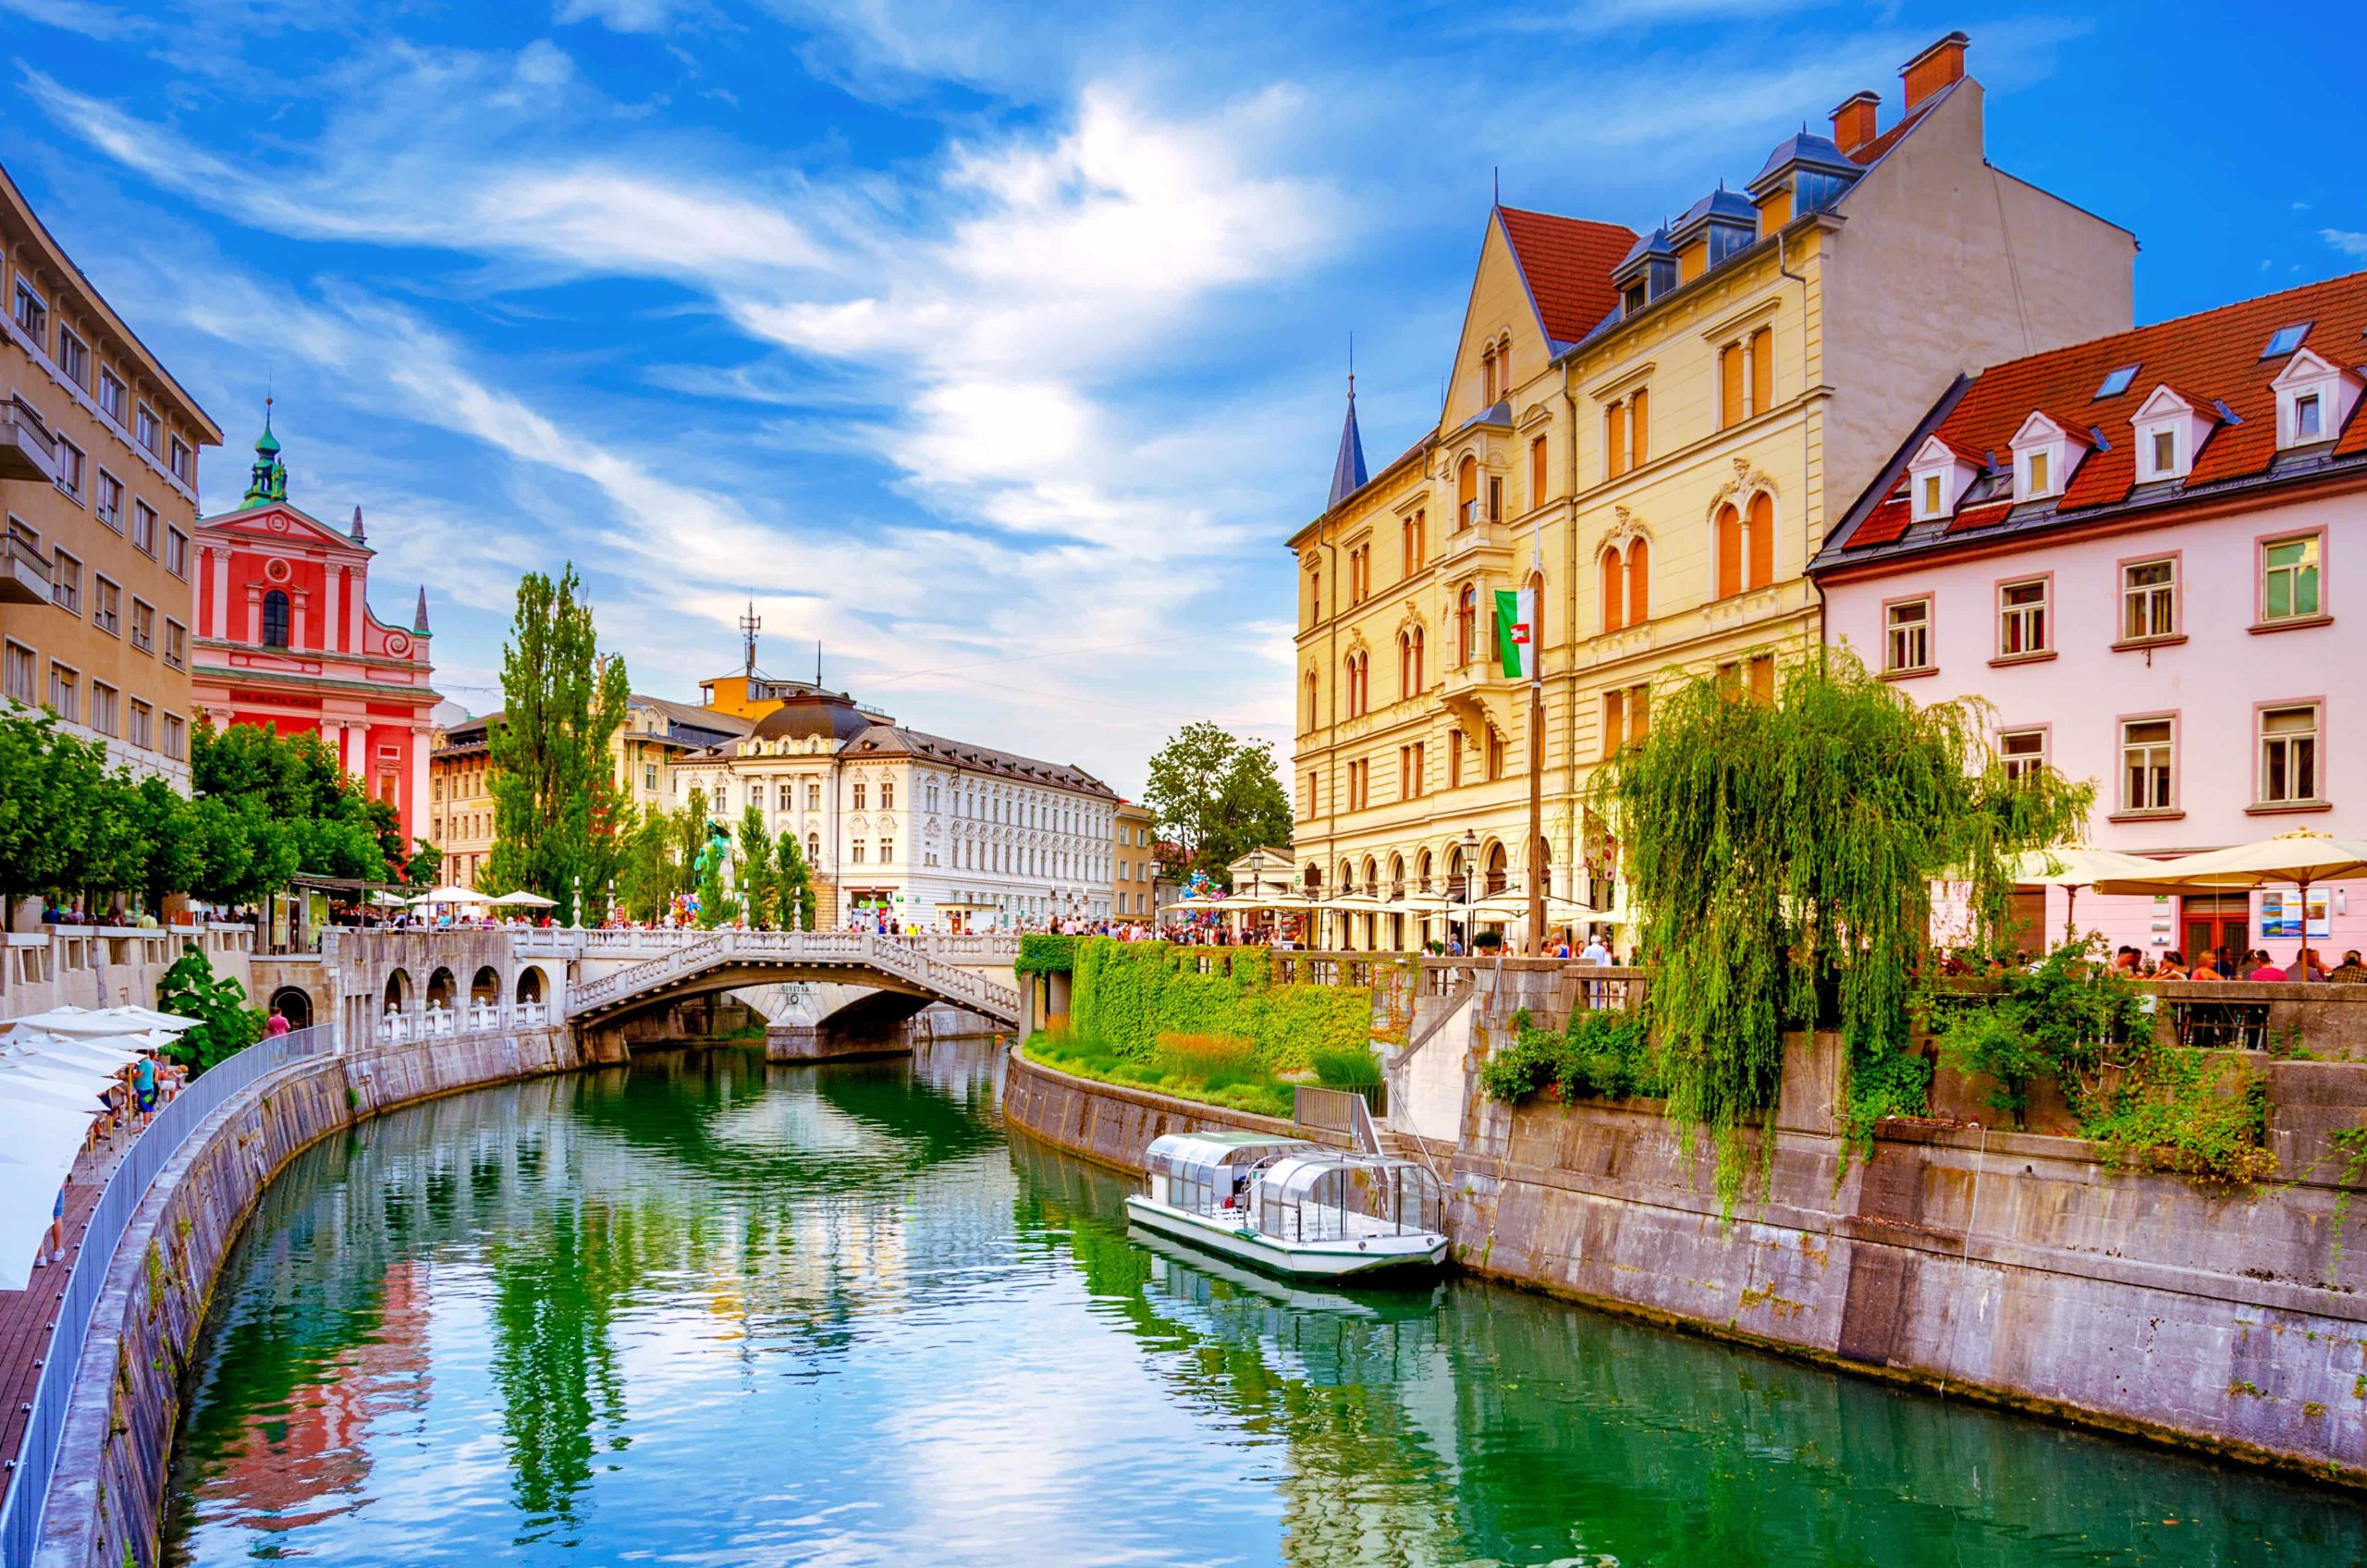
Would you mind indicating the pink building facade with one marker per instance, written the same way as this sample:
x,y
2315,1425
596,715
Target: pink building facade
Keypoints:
x,y
2137,552
286,639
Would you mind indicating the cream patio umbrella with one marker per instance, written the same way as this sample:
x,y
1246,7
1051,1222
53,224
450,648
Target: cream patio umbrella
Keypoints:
x,y
2300,858
448,894
2074,866
520,898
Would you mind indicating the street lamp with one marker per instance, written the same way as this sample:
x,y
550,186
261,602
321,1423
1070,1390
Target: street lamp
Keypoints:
x,y
1257,877
1470,846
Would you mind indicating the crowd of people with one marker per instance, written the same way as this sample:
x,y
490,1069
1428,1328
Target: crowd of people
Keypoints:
x,y
2220,963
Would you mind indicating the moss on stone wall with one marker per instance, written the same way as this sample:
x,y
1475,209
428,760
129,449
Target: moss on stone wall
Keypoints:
x,y
1132,993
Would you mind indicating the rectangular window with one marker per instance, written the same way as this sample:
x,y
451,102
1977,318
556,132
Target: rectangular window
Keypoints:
x,y
176,643
143,626
2289,588
142,733
2022,750
111,396
2021,618
1454,758
65,692
1906,641
2038,471
144,527
2147,747
177,552
66,582
1614,441
32,315
1730,386
1537,472
184,462
149,432
107,501
887,796
1762,678
176,737
2288,754
2308,423
1639,427
2149,600
1495,755
73,357
1639,713
70,464
1931,495
860,791
812,797
1614,725
2165,452
887,850
16,678
107,606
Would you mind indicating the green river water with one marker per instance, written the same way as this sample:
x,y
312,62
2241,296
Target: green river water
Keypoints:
x,y
701,1311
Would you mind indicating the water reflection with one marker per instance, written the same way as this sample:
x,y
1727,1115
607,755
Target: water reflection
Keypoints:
x,y
701,1310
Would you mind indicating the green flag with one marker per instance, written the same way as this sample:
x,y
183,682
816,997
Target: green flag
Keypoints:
x,y
1516,613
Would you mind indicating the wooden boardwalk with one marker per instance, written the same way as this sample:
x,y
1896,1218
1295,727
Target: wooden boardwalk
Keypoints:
x,y
28,1316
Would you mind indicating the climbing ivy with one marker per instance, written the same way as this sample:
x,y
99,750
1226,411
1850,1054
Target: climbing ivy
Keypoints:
x,y
1044,953
1133,992
1782,854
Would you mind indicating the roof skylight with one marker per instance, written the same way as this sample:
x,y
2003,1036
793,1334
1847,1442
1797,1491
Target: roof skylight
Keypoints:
x,y
2115,382
2288,338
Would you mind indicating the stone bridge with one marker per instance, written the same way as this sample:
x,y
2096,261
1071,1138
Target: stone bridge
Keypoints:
x,y
852,987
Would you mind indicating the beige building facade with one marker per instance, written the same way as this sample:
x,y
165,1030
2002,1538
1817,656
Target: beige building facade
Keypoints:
x,y
1134,863
1653,430
98,478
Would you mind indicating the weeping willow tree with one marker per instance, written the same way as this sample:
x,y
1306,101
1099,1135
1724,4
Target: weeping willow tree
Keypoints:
x,y
1784,855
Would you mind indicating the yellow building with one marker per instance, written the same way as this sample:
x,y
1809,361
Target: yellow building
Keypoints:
x,y
98,477
459,798
1134,863
1654,430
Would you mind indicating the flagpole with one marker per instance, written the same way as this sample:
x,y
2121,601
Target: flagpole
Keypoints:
x,y
1537,733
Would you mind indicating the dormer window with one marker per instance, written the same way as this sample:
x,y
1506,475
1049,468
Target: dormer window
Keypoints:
x,y
2046,452
1938,476
2171,428
2314,397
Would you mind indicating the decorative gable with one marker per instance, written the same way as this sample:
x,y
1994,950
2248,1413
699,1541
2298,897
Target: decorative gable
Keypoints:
x,y
2314,397
1937,477
2046,450
2171,427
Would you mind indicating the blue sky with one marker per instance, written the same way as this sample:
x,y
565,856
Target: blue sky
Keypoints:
x,y
997,348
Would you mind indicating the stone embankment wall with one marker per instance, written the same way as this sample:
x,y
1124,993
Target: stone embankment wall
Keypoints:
x,y
103,1502
2014,1267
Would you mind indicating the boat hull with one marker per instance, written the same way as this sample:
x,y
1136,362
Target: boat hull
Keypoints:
x,y
1356,1260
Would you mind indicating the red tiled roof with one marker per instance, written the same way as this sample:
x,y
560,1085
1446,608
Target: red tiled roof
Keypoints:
x,y
1890,138
2213,356
1567,263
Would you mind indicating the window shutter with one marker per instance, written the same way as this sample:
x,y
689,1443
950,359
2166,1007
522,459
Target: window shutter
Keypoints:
x,y
1729,552
1614,594
1639,437
1730,385
1639,579
1762,540
1614,441
1763,371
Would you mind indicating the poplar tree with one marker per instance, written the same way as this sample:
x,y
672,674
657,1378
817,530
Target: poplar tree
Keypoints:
x,y
792,884
553,784
756,869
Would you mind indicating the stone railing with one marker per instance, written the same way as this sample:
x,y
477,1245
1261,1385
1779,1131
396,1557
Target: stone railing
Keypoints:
x,y
854,950
434,1020
992,947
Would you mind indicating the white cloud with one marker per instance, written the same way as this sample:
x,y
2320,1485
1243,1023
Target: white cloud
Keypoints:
x,y
2351,242
91,20
628,16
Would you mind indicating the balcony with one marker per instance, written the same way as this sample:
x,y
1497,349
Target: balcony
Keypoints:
x,y
24,571
27,452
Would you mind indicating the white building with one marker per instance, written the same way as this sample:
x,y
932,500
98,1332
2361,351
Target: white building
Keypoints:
x,y
940,833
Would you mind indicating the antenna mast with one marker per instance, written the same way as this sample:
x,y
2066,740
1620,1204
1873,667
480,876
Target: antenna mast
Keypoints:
x,y
749,625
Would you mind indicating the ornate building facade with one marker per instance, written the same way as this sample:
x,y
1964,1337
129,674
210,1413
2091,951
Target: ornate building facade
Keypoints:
x,y
1653,431
921,830
285,638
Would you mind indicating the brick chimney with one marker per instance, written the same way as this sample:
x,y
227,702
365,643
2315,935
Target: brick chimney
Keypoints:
x,y
1934,68
1853,122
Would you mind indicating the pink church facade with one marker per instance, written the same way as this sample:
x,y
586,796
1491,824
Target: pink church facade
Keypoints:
x,y
286,639
2137,552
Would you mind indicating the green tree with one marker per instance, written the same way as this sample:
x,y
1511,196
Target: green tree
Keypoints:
x,y
1782,854
167,822
792,884
45,775
423,864
754,864
271,806
1217,798
227,1024
717,906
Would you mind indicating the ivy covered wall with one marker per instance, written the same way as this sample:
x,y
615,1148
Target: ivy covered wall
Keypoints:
x,y
1130,992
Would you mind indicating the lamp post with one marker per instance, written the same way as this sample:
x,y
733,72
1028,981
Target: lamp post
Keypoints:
x,y
1256,875
1470,845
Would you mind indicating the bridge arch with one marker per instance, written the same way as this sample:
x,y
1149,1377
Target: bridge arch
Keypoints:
x,y
485,986
398,989
530,985
440,987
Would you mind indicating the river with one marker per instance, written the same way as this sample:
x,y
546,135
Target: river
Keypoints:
x,y
703,1311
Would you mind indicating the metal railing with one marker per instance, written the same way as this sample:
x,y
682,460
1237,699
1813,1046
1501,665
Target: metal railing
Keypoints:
x,y
150,1152
1347,1112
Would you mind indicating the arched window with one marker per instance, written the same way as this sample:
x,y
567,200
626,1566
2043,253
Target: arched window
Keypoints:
x,y
1729,551
1422,873
1348,679
1614,592
1419,680
1347,877
1762,540
814,849
1467,493
1396,876
1310,701
1639,582
1467,625
1498,872
1541,865
275,619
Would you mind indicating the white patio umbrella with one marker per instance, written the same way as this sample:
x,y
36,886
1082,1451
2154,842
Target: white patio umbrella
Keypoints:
x,y
2074,866
383,898
522,898
26,1088
447,894
40,1142
2300,858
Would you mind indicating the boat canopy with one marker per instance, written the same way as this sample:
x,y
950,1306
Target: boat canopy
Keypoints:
x,y
1327,1195
1202,1171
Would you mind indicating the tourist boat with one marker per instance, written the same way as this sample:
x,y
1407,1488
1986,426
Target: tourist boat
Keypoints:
x,y
1291,1206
